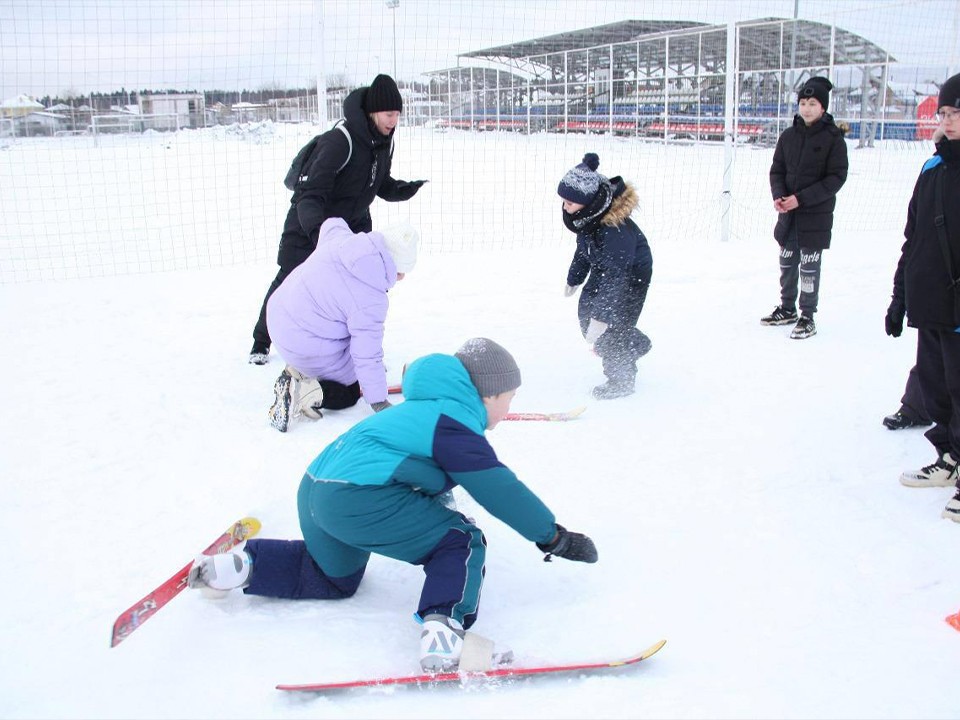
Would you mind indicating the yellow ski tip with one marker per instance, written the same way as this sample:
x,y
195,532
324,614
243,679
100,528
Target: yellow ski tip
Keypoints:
x,y
653,649
248,527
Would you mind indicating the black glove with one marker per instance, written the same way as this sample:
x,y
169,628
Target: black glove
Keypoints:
x,y
894,319
406,189
570,545
382,405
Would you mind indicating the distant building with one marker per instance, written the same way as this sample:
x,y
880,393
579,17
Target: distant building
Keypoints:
x,y
19,106
42,122
250,112
189,108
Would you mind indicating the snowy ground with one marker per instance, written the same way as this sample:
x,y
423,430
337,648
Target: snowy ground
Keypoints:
x,y
744,502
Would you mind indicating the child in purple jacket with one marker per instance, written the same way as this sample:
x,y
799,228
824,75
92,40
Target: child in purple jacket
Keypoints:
x,y
327,319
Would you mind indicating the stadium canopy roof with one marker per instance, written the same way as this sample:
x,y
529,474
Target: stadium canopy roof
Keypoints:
x,y
765,44
617,32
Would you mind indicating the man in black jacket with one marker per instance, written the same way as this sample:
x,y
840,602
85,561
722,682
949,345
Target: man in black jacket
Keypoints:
x,y
926,288
809,168
342,178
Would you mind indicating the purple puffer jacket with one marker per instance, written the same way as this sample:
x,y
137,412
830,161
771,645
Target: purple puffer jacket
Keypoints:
x,y
327,317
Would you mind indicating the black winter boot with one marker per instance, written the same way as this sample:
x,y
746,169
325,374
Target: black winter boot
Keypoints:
x,y
259,354
615,388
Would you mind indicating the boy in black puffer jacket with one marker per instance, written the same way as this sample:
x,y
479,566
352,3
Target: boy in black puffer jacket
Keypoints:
x,y
926,289
809,168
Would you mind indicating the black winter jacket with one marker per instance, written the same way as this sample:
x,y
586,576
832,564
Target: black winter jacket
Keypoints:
x,y
617,258
811,163
327,193
924,282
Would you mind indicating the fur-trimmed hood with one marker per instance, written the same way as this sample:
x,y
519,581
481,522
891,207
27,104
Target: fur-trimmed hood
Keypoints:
x,y
625,201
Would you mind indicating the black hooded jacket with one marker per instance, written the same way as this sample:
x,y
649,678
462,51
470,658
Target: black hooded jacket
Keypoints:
x,y
614,258
329,192
924,282
811,163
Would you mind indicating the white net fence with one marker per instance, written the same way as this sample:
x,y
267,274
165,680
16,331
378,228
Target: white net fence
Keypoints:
x,y
145,137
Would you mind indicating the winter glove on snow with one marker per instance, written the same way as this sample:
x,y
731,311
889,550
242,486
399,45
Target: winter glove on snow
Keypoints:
x,y
595,329
570,545
894,319
382,405
569,290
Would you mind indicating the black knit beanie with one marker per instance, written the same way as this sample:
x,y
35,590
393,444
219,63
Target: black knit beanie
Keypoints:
x,y
382,95
818,88
491,368
950,93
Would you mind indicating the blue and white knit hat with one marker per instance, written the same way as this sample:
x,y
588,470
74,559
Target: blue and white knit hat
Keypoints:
x,y
581,184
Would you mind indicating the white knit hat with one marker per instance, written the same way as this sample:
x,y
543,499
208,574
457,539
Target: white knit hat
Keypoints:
x,y
402,240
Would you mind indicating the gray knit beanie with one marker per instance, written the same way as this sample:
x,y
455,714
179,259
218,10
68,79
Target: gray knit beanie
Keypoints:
x,y
492,369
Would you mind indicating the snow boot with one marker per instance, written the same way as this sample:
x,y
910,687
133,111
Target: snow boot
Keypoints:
x,y
310,395
286,392
259,354
441,643
615,388
900,420
941,473
216,575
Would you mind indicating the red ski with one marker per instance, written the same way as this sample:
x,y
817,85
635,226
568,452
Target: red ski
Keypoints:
x,y
548,417
469,679
536,416
133,617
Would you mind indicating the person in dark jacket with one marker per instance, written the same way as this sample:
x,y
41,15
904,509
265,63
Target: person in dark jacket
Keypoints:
x,y
926,289
383,487
614,258
809,168
331,189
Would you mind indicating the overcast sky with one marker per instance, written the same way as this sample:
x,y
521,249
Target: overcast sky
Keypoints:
x,y
73,47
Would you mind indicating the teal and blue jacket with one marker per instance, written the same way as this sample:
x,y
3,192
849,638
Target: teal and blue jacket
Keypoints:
x,y
424,446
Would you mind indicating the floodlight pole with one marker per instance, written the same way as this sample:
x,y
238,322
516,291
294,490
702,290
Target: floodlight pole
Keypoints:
x,y
321,70
393,5
729,130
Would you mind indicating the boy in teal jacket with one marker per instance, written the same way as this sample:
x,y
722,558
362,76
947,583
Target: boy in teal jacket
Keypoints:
x,y
380,487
